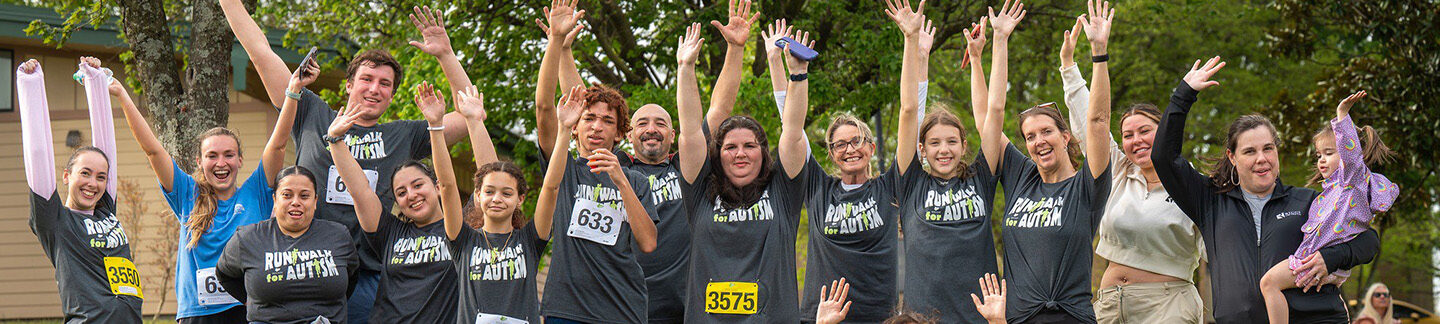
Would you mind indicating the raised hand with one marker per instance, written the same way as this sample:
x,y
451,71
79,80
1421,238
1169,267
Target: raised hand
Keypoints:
x,y
1199,76
431,102
29,66
910,22
974,41
303,76
992,307
90,60
689,48
926,39
1067,45
563,21
344,120
833,306
569,108
471,104
431,24
737,30
1097,25
1009,17
1344,108
796,65
773,33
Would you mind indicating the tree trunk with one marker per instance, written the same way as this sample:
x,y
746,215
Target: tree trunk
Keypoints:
x,y
208,77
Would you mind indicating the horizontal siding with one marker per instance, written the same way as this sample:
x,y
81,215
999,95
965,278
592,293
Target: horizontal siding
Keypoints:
x,y
28,290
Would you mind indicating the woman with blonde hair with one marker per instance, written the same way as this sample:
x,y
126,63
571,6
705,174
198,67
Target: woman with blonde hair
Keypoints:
x,y
1379,307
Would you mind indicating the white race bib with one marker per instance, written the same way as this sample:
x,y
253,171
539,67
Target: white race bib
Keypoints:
x,y
336,192
483,318
210,291
595,222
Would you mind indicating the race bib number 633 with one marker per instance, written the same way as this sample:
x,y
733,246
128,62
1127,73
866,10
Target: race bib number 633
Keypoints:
x,y
595,222
732,298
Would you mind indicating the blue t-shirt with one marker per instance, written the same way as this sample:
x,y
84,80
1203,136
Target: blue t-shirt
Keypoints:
x,y
197,290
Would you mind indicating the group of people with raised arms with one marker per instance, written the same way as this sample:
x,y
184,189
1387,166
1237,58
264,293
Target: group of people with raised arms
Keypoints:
x,y
699,226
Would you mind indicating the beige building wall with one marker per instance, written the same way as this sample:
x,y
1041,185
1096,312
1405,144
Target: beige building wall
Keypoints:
x,y
27,286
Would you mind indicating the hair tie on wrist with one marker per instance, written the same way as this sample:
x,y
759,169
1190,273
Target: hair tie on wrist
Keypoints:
x,y
1100,58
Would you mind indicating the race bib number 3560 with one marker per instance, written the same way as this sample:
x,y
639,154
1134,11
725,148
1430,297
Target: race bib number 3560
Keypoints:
x,y
595,222
732,298
123,278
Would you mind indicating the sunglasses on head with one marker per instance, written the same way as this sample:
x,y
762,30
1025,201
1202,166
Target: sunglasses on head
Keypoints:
x,y
1050,105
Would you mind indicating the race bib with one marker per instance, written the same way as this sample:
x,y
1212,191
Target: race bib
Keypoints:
x,y
483,318
336,192
211,293
595,222
123,278
732,298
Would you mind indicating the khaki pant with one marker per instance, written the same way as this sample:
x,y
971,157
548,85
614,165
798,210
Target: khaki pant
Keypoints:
x,y
1156,302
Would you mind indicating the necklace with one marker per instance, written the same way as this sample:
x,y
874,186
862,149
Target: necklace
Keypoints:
x,y
492,250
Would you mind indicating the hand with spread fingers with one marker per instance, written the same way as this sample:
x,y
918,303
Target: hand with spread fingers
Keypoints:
x,y
431,23
562,21
772,34
737,29
909,21
1344,108
688,50
569,108
1199,76
992,306
432,104
1010,16
925,40
1097,25
471,104
344,120
833,306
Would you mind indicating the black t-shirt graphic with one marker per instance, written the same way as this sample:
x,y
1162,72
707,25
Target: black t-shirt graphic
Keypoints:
x,y
497,273
948,238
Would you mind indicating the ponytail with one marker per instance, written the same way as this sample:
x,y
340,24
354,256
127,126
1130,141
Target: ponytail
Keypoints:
x,y
1372,150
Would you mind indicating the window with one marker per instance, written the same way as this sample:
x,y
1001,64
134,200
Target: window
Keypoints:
x,y
7,94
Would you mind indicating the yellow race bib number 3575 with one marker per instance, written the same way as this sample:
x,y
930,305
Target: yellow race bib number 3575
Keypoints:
x,y
732,298
123,278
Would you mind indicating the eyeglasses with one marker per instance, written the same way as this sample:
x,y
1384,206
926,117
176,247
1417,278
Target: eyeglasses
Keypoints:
x,y
1385,295
854,142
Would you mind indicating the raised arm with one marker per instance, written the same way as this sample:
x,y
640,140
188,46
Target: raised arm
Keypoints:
x,y
1097,28
793,147
1187,186
273,158
432,105
567,115
102,119
992,136
272,70
736,32
431,24
367,204
154,150
913,27
604,161
979,91
1077,95
775,60
561,29
39,147
470,103
687,100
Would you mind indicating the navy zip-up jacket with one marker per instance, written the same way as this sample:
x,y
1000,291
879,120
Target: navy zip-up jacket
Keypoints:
x,y
1237,258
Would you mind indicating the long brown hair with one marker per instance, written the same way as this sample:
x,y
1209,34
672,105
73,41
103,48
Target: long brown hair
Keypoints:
x,y
1223,174
1373,151
207,199
730,195
474,217
943,117
1073,147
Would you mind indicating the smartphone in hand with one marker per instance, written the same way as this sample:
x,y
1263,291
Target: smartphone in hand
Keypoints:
x,y
800,51
300,70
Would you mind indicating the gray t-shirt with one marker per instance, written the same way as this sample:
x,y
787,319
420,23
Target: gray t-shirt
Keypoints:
x,y
948,239
1047,233
91,255
742,266
378,149
418,283
852,235
285,280
595,273
498,274
667,266
1257,206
